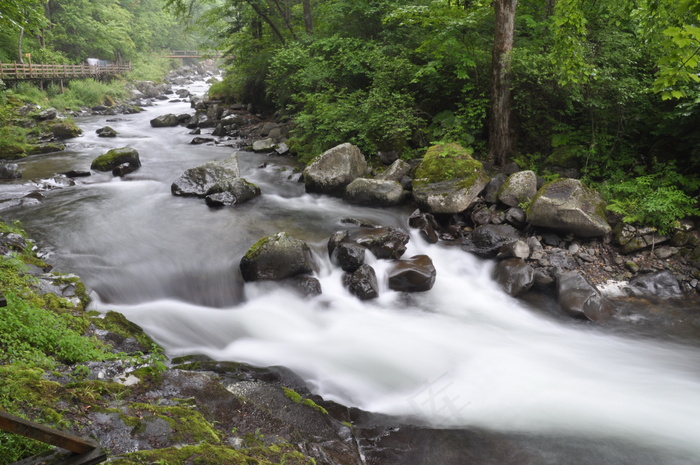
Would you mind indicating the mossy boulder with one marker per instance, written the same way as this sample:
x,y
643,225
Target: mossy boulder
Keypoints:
x,y
48,147
519,188
277,257
199,180
116,157
332,171
448,180
12,151
231,192
569,206
65,130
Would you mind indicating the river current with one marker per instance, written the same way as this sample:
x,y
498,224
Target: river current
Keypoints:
x,y
463,355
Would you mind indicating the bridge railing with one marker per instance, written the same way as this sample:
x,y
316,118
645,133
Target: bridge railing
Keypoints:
x,y
24,71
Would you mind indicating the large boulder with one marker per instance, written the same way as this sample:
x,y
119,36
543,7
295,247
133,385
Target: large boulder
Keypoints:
x,y
199,180
332,171
374,192
65,130
115,158
165,121
485,241
519,188
515,276
384,242
448,180
567,205
276,257
417,274
579,298
395,172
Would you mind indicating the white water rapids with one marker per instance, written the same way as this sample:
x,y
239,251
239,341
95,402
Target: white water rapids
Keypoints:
x,y
461,355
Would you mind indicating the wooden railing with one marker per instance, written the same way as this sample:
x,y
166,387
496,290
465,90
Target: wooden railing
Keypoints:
x,y
25,71
191,54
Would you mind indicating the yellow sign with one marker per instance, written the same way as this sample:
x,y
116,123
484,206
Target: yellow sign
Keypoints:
x,y
28,55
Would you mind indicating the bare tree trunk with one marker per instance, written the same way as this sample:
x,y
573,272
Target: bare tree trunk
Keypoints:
x,y
267,19
500,134
19,44
308,17
286,17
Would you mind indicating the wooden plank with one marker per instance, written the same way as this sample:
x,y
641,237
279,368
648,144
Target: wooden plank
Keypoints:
x,y
45,434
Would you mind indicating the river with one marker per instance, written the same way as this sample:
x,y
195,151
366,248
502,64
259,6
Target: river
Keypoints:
x,y
463,355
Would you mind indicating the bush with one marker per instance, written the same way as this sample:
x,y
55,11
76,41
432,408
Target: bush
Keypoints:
x,y
649,201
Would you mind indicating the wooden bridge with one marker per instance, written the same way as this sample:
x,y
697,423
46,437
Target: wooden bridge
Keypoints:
x,y
36,72
191,54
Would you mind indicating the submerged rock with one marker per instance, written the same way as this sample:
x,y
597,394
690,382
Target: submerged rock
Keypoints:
x,y
277,257
661,284
579,298
106,132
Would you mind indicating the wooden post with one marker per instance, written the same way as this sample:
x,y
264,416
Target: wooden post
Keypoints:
x,y
45,434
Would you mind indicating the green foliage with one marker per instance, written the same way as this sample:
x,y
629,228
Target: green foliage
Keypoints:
x,y
150,67
650,201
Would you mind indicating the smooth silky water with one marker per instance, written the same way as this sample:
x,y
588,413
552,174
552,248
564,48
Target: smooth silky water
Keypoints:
x,y
463,355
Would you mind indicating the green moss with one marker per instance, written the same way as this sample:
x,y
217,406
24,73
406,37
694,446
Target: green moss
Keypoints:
x,y
207,454
114,158
12,151
189,426
292,395
310,403
117,323
447,162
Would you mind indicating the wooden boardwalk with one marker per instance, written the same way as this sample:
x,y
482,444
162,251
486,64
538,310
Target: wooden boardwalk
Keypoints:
x,y
29,71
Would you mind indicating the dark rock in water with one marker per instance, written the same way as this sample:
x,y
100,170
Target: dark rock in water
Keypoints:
x,y
307,285
350,256
383,242
276,257
165,121
77,174
10,171
426,224
485,241
231,192
106,132
197,181
359,222
335,240
417,274
662,284
201,140
363,283
124,169
116,157
579,298
65,130
515,276
195,132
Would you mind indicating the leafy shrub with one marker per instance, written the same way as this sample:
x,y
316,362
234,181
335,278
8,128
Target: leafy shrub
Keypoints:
x,y
649,201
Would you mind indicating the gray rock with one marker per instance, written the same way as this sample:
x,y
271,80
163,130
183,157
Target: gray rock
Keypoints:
x,y
106,132
383,242
388,156
264,145
567,205
417,274
662,284
231,192
165,121
123,169
516,216
331,172
485,241
515,276
116,157
395,172
374,192
197,181
10,171
517,249
579,298
426,224
349,256
275,258
519,188
493,187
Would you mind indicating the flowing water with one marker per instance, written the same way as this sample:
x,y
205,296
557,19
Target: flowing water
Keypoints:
x,y
462,355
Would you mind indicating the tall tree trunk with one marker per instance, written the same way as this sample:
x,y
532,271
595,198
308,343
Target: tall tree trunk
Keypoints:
x,y
259,11
19,45
308,17
500,133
